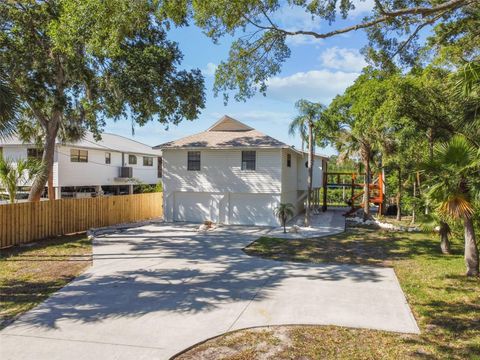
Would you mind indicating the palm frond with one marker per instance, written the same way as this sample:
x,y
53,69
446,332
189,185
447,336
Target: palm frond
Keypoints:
x,y
456,207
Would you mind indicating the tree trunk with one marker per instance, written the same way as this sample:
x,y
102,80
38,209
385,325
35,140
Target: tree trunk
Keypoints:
x,y
399,195
471,249
41,179
444,241
51,127
414,196
310,173
51,189
366,187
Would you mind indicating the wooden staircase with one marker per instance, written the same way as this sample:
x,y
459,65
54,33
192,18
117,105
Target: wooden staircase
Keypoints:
x,y
355,201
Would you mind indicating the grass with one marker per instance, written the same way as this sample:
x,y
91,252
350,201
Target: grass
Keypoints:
x,y
29,274
446,304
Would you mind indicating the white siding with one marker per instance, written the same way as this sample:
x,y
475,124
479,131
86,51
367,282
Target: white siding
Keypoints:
x,y
14,152
290,193
221,172
96,172
302,172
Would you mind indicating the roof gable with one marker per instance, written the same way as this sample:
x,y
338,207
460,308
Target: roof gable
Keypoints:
x,y
227,123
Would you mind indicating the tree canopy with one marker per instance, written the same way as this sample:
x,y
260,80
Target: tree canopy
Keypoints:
x,y
258,53
74,63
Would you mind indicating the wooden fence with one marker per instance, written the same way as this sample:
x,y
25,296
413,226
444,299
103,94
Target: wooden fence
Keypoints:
x,y
31,221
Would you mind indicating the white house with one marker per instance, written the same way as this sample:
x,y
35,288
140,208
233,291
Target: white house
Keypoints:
x,y
233,174
112,165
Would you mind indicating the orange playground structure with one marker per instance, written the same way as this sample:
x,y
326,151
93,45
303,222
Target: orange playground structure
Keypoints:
x,y
356,183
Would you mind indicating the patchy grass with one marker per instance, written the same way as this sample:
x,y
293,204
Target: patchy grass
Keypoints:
x,y
31,273
446,304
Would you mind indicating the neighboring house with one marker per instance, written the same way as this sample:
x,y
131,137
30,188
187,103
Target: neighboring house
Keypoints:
x,y
87,167
233,174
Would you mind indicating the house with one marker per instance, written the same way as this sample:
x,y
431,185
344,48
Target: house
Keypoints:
x,y
233,174
112,165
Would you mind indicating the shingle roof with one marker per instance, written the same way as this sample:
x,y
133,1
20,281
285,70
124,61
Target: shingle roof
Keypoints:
x,y
225,133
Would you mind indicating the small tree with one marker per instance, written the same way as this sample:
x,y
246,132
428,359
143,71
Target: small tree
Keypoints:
x,y
434,222
16,174
283,212
454,186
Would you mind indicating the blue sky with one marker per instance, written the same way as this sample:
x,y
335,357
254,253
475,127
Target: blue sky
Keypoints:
x,y
317,70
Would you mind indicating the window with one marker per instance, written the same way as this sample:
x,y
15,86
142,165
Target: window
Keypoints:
x,y
159,167
108,158
289,160
132,159
147,161
78,155
248,160
34,154
193,160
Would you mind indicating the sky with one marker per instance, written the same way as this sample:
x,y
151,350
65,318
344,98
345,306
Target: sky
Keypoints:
x,y
317,70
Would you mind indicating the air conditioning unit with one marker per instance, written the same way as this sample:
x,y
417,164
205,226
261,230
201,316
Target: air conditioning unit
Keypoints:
x,y
126,172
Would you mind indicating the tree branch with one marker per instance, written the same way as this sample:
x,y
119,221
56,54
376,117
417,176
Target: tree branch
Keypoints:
x,y
386,15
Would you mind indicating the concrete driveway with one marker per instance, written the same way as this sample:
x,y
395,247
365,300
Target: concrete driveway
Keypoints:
x,y
157,289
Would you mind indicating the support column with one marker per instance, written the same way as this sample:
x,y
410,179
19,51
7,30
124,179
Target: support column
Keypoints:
x,y
58,192
130,189
325,186
98,190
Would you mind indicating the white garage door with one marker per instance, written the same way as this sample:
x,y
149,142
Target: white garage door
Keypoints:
x,y
196,207
253,209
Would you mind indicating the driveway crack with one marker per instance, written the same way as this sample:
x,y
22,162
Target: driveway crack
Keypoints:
x,y
249,302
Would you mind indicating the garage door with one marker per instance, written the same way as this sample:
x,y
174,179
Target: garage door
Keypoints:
x,y
253,209
196,207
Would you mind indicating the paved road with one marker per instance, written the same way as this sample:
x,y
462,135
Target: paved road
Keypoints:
x,y
160,288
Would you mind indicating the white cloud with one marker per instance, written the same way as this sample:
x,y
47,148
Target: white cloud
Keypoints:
x,y
314,85
210,69
343,59
362,7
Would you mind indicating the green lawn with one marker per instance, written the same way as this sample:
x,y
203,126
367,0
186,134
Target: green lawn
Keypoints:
x,y
446,304
31,273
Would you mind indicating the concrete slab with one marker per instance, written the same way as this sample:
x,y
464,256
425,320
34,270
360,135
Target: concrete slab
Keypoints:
x,y
157,289
321,224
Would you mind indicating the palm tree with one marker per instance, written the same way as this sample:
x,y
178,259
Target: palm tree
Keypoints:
x,y
16,174
283,212
454,175
304,123
8,108
436,223
468,78
351,145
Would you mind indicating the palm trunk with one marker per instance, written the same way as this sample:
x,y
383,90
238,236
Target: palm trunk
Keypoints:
x,y
310,173
399,195
366,188
471,249
444,241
